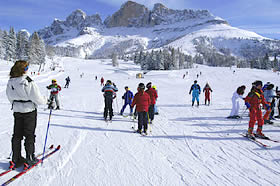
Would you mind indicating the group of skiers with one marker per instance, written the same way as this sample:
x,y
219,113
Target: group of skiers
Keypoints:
x,y
144,100
258,95
195,91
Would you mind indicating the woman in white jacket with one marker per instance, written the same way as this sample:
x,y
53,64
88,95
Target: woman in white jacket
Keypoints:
x,y
235,102
25,96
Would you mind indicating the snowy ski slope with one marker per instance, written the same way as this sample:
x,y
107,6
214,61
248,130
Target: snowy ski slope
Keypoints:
x,y
188,146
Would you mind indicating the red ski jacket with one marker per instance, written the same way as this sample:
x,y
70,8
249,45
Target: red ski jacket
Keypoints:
x,y
153,95
255,98
142,101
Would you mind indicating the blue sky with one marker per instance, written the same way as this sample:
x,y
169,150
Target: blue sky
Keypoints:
x,y
261,16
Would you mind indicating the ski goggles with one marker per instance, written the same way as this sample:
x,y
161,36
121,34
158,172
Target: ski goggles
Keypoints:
x,y
26,68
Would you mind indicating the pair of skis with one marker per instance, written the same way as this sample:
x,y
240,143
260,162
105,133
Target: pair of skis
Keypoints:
x,y
50,152
258,142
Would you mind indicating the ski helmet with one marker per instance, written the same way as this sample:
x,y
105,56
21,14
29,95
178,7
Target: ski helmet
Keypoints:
x,y
149,85
108,82
141,86
54,80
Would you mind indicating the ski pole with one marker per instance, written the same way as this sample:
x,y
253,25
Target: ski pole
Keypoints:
x,y
10,155
117,104
149,122
47,135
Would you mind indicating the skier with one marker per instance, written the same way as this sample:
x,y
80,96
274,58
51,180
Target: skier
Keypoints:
x,y
102,81
252,102
207,90
55,88
235,102
269,97
95,77
184,76
128,97
67,82
278,100
25,96
197,75
195,90
155,108
153,95
109,93
142,101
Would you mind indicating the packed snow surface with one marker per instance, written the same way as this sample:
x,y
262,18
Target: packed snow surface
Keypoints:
x,y
187,146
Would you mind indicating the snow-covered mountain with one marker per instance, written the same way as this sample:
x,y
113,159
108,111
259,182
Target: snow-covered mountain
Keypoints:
x,y
134,27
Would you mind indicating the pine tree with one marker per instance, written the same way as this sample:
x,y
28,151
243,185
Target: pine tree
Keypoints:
x,y
22,45
36,50
2,45
10,43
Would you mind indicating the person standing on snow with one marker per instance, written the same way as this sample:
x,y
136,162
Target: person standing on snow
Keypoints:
x,y
252,102
195,90
25,96
142,101
234,114
128,97
207,90
55,88
269,97
67,82
102,81
153,95
109,90
155,107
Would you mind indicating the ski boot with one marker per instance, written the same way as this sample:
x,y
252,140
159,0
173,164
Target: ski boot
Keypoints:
x,y
250,134
266,121
31,159
261,135
17,163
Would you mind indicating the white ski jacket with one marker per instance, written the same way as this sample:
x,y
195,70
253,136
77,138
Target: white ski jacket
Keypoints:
x,y
24,94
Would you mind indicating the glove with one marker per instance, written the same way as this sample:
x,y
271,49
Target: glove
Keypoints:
x,y
267,106
247,105
189,92
122,97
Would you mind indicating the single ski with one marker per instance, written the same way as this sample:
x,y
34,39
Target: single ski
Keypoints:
x,y
267,138
256,141
13,168
30,167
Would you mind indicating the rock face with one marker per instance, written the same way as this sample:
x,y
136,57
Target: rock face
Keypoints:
x,y
77,20
132,14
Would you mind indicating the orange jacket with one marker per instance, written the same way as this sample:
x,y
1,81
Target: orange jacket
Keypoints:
x,y
255,98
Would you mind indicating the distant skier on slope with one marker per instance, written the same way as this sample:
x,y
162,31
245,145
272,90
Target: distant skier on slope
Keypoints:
x,y
25,96
142,101
234,114
127,97
67,82
153,95
109,93
252,102
102,81
207,89
55,88
195,90
155,107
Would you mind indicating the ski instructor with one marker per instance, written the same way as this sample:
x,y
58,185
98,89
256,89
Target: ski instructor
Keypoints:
x,y
25,96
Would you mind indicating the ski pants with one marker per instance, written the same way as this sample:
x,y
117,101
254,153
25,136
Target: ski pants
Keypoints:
x,y
67,84
142,120
24,126
54,97
108,107
256,115
155,109
151,112
207,97
235,108
124,106
267,113
195,97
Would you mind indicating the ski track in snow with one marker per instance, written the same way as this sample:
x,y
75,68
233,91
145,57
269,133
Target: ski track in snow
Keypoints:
x,y
187,146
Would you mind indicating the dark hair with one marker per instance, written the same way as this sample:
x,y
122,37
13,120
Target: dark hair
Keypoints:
x,y
125,87
149,85
141,86
18,69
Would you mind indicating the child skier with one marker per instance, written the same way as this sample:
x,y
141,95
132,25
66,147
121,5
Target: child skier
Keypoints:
x,y
235,102
195,90
155,107
153,95
109,93
142,101
252,102
55,88
102,81
269,97
207,90
25,96
128,97
67,82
